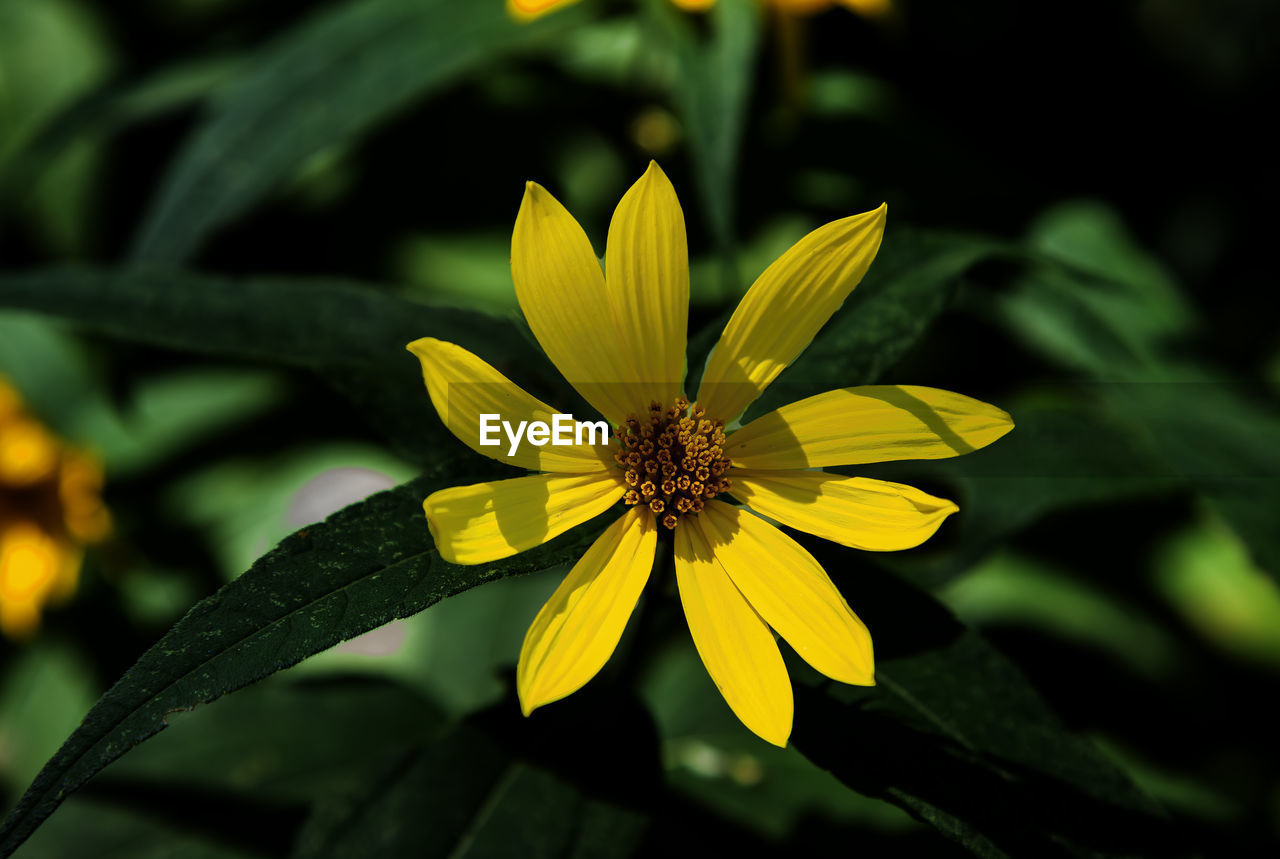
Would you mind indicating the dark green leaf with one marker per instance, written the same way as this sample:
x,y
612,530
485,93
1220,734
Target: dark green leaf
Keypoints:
x,y
364,566
1201,426
108,110
351,335
956,735
98,828
466,796
1076,320
331,79
1092,238
274,741
1222,440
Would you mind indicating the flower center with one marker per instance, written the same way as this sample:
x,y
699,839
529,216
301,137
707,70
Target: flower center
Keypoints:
x,y
673,460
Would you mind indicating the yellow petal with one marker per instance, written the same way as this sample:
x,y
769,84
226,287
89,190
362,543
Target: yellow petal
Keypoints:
x,y
527,10
735,644
870,423
646,265
463,387
487,521
577,630
694,5
791,591
874,515
562,292
785,308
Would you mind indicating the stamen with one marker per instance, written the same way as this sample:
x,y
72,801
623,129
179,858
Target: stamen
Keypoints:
x,y
674,460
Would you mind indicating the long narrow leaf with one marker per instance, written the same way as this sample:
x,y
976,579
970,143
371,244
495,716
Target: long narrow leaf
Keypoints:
x,y
353,336
711,93
333,78
364,566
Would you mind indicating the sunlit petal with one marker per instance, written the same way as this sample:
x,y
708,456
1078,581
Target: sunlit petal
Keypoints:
x,y
576,632
736,646
647,269
791,591
562,292
859,512
785,308
487,521
870,423
463,387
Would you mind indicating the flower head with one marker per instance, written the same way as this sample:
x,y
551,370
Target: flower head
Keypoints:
x,y
618,337
50,506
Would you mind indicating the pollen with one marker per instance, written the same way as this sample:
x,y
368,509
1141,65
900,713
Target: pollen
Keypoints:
x,y
681,452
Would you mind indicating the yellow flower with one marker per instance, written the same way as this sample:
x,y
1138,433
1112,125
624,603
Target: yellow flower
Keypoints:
x,y
528,9
620,341
50,506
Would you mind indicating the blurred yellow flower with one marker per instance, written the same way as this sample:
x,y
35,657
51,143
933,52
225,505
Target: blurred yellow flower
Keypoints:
x,y
50,507
618,337
529,9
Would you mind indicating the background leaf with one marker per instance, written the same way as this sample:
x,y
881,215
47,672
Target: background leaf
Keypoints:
x,y
467,796
273,741
711,93
955,735
369,564
323,84
360,352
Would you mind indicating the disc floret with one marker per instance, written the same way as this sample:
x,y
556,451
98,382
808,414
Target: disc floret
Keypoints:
x,y
672,460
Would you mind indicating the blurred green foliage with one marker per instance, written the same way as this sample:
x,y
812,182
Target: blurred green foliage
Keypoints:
x,y
220,222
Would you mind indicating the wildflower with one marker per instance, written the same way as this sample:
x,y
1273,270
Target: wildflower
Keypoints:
x,y
50,506
619,338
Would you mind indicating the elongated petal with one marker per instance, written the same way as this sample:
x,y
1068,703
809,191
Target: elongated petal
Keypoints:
x,y
463,387
487,521
562,292
646,266
870,423
859,512
785,308
575,633
736,646
791,591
